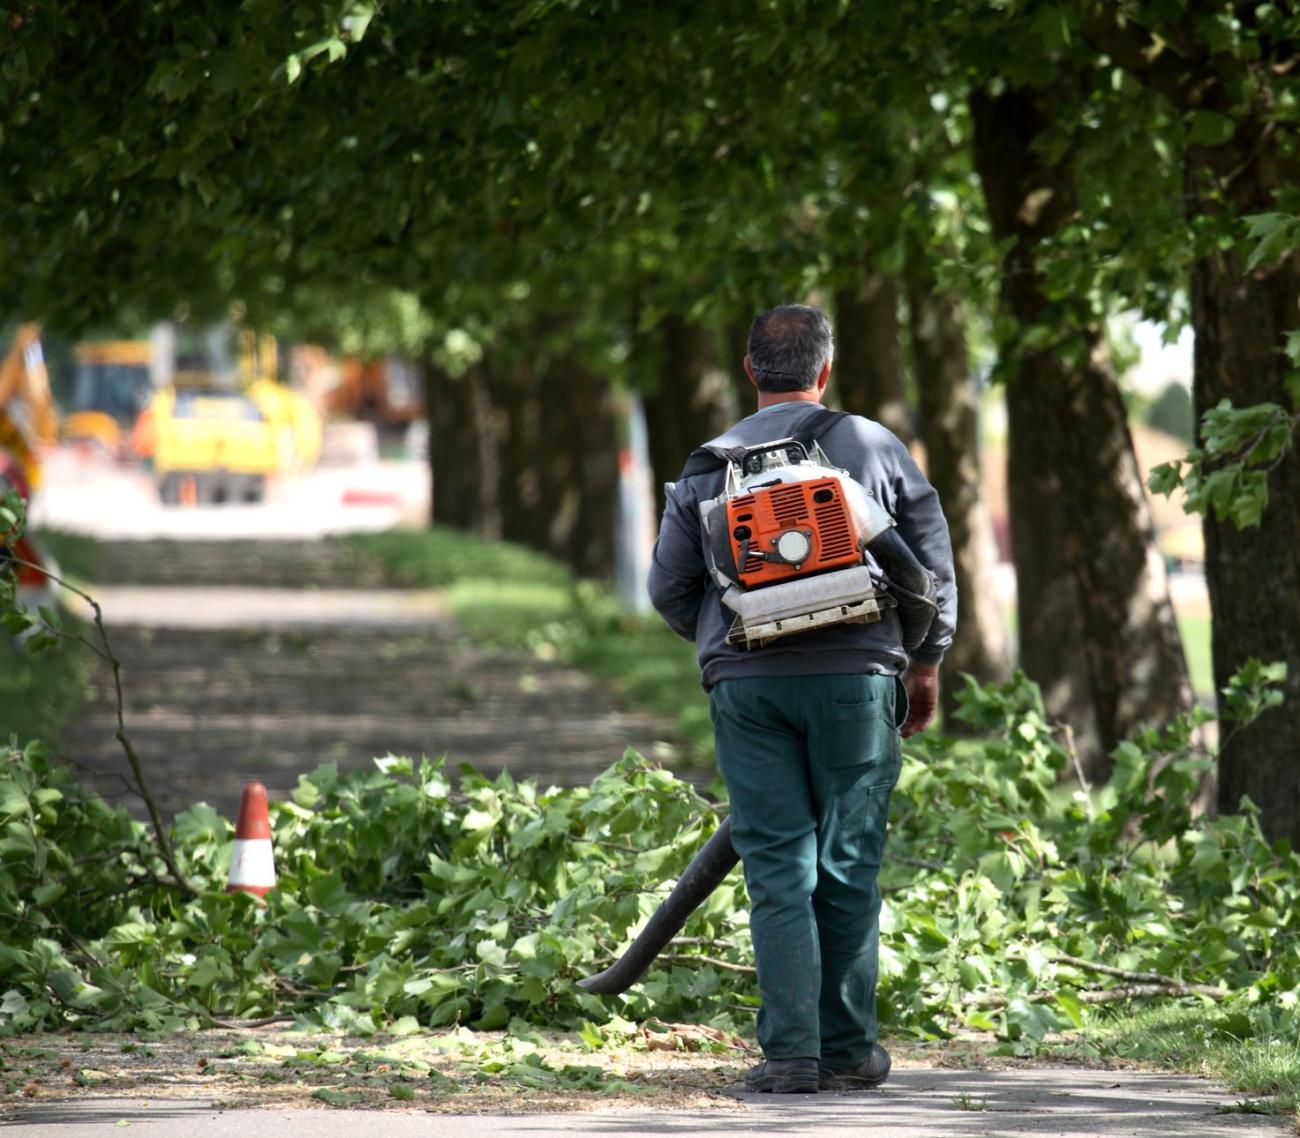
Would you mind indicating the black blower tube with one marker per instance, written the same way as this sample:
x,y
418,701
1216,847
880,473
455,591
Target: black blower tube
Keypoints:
x,y
910,583
705,873
913,587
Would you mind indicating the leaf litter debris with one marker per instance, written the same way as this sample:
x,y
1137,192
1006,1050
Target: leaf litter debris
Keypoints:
x,y
677,1066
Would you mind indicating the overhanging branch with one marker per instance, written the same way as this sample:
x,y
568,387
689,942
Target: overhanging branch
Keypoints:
x,y
1150,60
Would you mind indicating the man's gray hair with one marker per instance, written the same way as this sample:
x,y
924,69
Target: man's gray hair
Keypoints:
x,y
788,347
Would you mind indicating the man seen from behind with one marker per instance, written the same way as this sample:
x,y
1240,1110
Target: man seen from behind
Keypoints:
x,y
807,727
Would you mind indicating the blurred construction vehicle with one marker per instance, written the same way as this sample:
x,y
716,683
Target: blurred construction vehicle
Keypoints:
x,y
386,392
112,386
28,419
223,426
27,423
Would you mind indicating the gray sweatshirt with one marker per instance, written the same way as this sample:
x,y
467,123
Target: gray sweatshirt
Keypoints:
x,y
686,596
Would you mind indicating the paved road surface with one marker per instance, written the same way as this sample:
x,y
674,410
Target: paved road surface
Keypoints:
x,y
1040,1103
225,686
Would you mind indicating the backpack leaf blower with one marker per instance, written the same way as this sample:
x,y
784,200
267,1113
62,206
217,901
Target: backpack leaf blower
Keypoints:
x,y
788,543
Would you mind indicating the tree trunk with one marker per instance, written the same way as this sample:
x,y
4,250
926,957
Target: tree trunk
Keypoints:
x,y
591,444
691,402
950,429
464,460
868,355
1253,574
735,347
1096,626
558,435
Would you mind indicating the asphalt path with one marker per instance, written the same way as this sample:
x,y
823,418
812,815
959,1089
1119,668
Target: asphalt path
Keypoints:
x,y
224,686
1044,1102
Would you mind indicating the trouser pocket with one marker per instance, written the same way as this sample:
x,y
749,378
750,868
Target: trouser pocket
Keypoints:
x,y
854,728
902,705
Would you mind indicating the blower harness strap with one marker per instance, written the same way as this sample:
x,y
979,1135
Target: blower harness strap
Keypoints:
x,y
708,458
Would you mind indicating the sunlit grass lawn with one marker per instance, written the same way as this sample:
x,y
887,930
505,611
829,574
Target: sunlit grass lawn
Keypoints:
x,y
1195,629
1243,1050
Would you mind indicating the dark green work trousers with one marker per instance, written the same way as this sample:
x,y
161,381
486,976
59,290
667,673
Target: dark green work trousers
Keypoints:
x,y
809,763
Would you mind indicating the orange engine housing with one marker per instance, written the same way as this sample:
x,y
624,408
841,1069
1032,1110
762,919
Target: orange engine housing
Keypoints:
x,y
816,509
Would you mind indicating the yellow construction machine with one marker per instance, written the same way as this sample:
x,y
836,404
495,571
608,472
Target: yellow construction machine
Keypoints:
x,y
28,420
221,428
27,423
112,386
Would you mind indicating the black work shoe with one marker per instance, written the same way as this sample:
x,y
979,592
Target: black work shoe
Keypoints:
x,y
784,1077
871,1072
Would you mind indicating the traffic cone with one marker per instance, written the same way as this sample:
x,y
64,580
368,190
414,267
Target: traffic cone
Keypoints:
x,y
252,864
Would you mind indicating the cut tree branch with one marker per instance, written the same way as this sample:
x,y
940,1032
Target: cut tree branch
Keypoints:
x,y
1148,991
681,958
141,787
1163,988
1151,61
245,1024
916,862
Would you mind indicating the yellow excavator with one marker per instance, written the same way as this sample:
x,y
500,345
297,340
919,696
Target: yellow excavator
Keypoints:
x,y
112,386
221,428
215,434
28,422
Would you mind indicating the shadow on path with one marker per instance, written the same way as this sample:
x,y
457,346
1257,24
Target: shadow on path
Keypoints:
x,y
227,685
1056,1102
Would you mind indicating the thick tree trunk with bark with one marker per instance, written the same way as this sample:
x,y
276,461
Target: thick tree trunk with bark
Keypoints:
x,y
691,401
525,493
868,374
558,435
463,455
1096,626
590,441
1240,319
949,417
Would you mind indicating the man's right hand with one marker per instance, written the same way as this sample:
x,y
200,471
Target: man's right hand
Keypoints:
x,y
922,684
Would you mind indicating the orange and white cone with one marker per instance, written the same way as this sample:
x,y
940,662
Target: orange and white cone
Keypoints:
x,y
252,864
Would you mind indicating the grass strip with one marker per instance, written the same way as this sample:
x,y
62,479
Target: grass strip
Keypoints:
x,y
78,557
1243,1049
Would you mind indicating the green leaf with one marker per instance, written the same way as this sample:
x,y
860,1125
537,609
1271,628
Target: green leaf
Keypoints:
x,y
1072,1006
1030,1020
358,21
1165,478
1209,128
1274,246
48,893
329,893
132,932
14,1004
